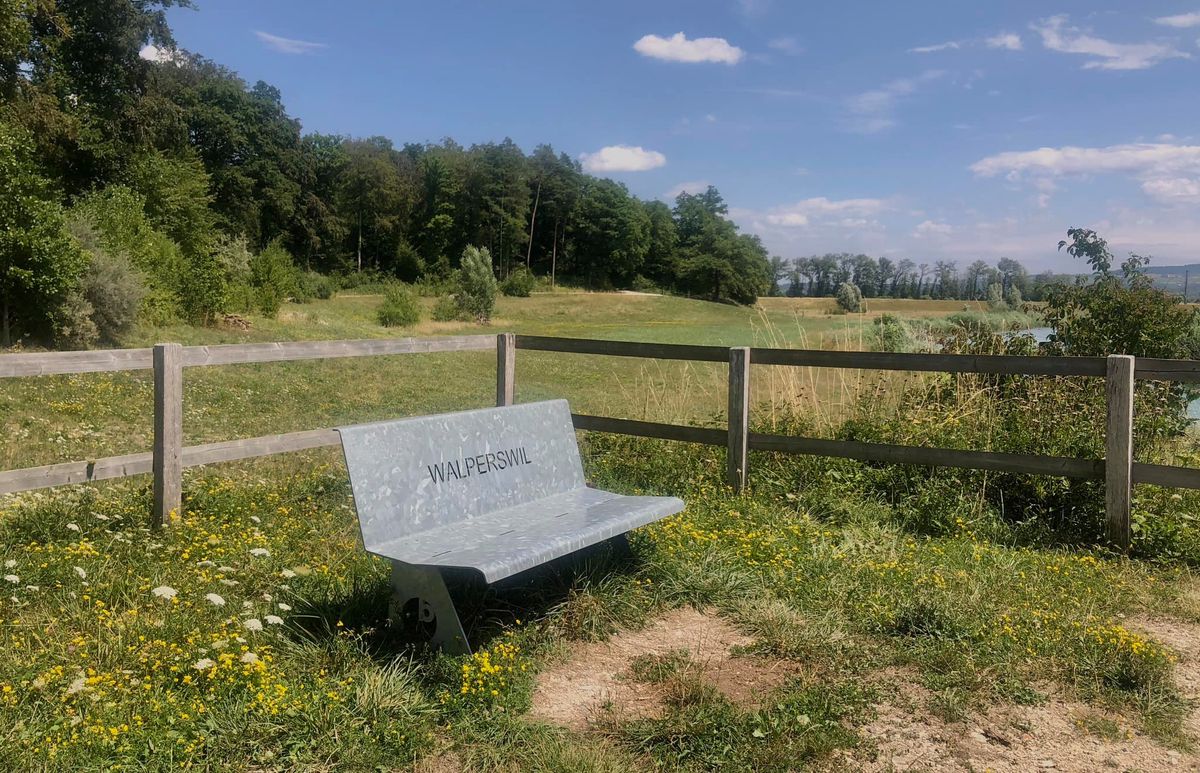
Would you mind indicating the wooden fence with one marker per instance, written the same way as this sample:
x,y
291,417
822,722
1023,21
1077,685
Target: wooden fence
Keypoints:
x,y
169,456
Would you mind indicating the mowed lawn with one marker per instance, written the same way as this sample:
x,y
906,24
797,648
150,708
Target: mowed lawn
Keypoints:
x,y
66,418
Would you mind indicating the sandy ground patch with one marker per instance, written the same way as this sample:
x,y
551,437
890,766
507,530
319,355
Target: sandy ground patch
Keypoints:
x,y
595,675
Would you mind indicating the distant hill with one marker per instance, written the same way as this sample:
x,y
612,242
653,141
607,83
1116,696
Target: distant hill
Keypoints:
x,y
1190,268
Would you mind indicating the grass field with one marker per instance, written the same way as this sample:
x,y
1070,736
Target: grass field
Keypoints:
x,y
87,416
251,634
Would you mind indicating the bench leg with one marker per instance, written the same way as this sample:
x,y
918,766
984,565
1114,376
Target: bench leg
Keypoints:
x,y
422,602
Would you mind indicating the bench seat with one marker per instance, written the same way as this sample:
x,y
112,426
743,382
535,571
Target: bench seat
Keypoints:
x,y
495,491
501,543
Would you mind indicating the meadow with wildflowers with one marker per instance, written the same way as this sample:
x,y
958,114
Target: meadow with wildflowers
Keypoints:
x,y
252,632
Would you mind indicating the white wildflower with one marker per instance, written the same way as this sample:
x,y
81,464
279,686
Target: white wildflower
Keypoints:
x,y
82,574
249,657
10,563
247,605
73,526
215,599
273,620
256,519
284,607
253,624
229,583
268,597
205,563
226,569
260,552
33,588
203,664
288,573
220,644
79,685
165,592
14,579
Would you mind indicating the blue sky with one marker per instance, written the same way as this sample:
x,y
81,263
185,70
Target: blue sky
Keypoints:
x,y
927,130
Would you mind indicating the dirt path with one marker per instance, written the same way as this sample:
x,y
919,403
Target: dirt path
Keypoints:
x,y
594,682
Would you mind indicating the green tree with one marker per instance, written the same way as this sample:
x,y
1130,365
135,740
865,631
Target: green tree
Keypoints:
x,y
849,298
176,197
715,260
40,263
1114,314
477,286
609,235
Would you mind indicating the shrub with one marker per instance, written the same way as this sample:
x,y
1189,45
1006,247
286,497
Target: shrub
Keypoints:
x,y
273,276
995,297
1115,314
892,333
519,283
476,295
205,289
643,285
310,285
400,308
114,289
445,309
73,324
849,298
325,288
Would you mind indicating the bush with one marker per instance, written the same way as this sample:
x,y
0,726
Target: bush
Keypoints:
x,y
995,297
849,298
643,285
273,276
519,283
114,289
73,324
310,285
325,288
400,308
892,334
205,289
445,309
476,296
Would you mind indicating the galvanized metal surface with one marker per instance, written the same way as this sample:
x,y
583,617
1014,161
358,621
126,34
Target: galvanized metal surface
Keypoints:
x,y
499,490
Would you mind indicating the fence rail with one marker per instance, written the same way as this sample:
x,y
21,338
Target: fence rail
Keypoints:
x,y
169,457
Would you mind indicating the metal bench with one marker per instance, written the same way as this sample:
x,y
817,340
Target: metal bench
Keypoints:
x,y
493,491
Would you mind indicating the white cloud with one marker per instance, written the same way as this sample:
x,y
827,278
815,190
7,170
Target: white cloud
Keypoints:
x,y
927,229
152,53
288,45
678,48
1179,190
692,186
1007,40
786,45
873,111
1167,172
809,211
622,158
1104,54
1180,21
948,45
754,7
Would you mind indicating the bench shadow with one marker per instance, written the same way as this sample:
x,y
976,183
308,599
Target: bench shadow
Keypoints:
x,y
484,610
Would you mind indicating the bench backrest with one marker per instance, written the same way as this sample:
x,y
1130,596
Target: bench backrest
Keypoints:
x,y
411,475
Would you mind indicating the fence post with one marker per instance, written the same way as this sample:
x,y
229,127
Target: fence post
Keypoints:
x,y
739,415
506,365
168,432
1118,449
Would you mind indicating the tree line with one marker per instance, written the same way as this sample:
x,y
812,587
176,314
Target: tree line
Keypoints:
x,y
823,275
175,176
